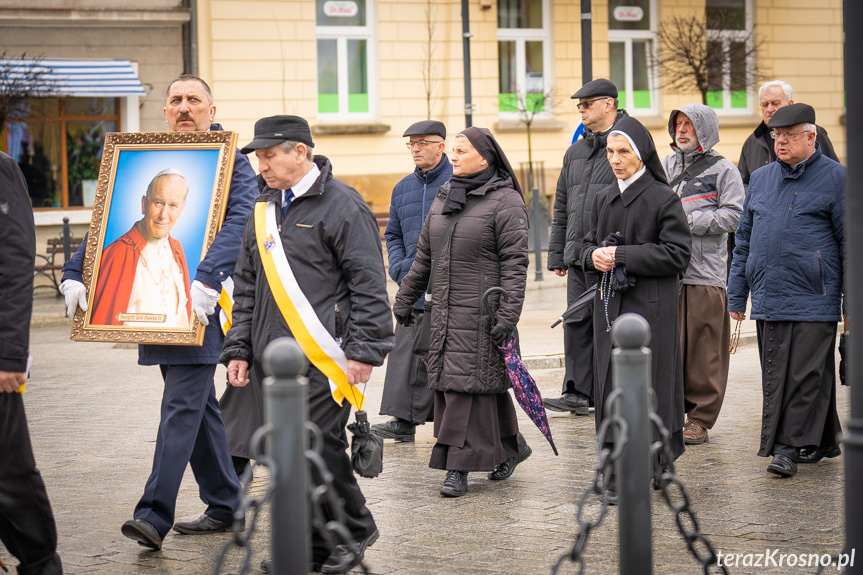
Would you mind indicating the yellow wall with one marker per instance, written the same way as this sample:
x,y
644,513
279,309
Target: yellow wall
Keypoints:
x,y
259,57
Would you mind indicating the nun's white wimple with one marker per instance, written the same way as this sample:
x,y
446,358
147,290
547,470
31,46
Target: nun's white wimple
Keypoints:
x,y
631,143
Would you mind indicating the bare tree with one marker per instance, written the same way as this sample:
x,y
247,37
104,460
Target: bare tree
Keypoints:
x,y
527,106
428,60
21,78
703,56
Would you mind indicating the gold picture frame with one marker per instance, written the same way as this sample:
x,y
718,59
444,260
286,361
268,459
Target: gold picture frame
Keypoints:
x,y
147,238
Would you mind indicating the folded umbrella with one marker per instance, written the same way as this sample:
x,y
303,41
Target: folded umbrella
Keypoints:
x,y
581,301
523,385
367,449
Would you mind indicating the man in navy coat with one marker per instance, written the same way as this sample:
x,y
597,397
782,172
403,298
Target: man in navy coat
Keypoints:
x,y
191,430
406,395
789,259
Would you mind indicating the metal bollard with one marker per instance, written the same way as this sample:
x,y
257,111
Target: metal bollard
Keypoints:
x,y
286,407
67,240
537,233
631,372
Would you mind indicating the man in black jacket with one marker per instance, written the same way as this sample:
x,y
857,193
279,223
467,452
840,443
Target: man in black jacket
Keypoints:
x,y
585,171
320,278
27,526
758,148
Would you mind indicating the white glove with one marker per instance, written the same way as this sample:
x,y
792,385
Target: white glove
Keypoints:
x,y
76,296
204,301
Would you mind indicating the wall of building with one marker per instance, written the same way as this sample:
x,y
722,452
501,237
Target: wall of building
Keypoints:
x,y
259,56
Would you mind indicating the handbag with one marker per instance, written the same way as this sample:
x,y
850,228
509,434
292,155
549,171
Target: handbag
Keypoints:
x,y
422,334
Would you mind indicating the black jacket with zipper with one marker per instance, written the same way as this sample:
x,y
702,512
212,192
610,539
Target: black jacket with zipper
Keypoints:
x,y
332,242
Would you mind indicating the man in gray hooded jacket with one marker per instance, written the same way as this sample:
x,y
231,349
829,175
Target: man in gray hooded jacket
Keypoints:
x,y
711,190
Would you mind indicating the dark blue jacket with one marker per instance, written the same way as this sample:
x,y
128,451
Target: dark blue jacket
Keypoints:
x,y
412,197
791,243
216,266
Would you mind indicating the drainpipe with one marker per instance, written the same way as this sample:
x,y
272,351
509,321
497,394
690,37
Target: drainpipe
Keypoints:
x,y
465,30
586,47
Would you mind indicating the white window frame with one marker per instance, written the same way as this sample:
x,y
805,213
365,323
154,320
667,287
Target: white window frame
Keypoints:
x,y
626,38
728,36
520,36
341,34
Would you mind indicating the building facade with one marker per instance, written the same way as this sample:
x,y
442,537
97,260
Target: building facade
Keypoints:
x,y
361,71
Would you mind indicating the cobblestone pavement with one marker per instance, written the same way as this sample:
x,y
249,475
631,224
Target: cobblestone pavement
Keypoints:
x,y
93,414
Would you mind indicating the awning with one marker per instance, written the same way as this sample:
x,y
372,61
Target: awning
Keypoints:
x,y
65,77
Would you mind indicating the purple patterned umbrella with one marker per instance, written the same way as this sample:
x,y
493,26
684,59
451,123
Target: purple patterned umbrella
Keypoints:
x,y
526,392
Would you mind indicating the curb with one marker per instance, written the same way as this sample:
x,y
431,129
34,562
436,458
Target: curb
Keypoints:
x,y
557,360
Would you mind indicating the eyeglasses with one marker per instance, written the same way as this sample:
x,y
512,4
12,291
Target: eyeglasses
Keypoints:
x,y
420,143
586,104
775,134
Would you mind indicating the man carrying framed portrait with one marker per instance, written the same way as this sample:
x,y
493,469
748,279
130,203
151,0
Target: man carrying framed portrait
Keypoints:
x,y
191,430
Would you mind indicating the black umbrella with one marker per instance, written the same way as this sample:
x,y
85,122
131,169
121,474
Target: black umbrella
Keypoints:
x,y
580,302
367,449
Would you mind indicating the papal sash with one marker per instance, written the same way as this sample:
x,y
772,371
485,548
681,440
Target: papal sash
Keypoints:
x,y
226,302
305,325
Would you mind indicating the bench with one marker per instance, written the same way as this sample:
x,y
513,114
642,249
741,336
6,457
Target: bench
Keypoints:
x,y
382,218
57,252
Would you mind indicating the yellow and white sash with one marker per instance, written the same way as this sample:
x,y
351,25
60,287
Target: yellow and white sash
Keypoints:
x,y
305,325
226,302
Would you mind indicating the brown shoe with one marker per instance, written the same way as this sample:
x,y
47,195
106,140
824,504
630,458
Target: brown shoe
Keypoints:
x,y
694,434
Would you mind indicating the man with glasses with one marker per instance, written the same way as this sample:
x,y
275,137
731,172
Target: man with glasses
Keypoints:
x,y
789,258
758,148
406,396
585,171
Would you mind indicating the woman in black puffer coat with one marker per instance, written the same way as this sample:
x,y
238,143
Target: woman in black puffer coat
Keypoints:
x,y
475,420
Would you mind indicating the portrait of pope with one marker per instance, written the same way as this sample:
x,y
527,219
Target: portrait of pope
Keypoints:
x,y
144,271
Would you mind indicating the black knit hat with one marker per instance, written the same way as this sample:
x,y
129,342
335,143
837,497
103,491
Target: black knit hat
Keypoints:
x,y
277,129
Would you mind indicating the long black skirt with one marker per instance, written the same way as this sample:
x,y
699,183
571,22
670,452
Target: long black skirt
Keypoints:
x,y
798,380
474,432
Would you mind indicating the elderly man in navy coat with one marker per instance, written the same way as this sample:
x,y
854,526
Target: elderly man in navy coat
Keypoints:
x,y
406,395
790,257
191,430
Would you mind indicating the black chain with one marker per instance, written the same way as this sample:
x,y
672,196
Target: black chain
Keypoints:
x,y
684,516
614,429
249,503
322,493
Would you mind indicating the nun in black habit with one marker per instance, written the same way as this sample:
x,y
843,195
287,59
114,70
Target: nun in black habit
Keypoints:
x,y
639,245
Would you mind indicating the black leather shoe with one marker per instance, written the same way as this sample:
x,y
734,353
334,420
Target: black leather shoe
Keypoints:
x,y
455,484
572,402
819,453
505,469
782,465
143,532
396,428
341,560
202,525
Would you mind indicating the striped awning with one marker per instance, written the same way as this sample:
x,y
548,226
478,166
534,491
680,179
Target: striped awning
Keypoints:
x,y
66,77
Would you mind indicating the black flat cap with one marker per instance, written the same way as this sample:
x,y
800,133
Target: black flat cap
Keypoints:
x,y
596,88
791,115
427,127
277,129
